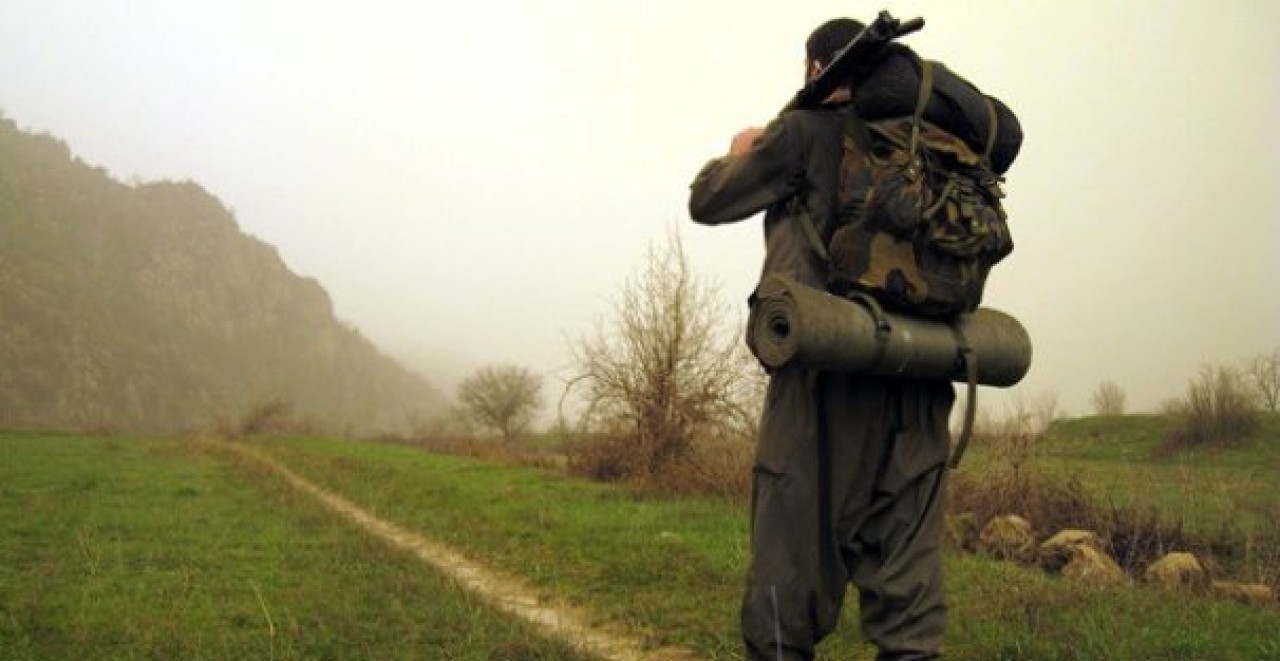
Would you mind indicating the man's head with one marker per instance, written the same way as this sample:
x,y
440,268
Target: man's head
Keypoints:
x,y
826,41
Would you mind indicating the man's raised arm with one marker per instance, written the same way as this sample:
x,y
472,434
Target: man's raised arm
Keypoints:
x,y
762,168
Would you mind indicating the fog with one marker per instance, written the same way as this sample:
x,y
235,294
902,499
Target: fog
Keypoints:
x,y
472,182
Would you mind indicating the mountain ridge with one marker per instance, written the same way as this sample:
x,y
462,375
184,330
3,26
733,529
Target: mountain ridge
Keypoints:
x,y
145,307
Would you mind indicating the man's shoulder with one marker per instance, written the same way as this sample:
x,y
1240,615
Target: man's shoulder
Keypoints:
x,y
822,113
815,129
820,119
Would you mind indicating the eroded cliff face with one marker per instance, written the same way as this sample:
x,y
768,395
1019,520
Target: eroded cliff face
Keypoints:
x,y
146,308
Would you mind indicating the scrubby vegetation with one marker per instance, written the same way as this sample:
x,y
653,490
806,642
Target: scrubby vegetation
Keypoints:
x,y
1219,408
670,399
1100,474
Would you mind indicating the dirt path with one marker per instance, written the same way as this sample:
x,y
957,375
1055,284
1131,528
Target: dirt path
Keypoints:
x,y
506,593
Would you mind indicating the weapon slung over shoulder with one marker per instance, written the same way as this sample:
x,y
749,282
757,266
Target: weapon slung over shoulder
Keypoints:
x,y
840,70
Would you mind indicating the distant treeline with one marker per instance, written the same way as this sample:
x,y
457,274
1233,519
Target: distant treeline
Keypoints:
x,y
145,308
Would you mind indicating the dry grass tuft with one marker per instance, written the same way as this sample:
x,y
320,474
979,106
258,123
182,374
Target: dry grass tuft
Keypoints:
x,y
1012,483
717,466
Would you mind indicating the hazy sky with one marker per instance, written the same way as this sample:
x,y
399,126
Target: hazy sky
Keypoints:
x,y
472,181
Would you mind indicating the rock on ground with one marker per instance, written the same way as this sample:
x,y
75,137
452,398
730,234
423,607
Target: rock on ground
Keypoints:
x,y
1178,570
1058,550
1008,537
1089,565
1251,594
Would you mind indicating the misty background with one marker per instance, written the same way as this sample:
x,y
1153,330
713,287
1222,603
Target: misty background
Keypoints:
x,y
472,182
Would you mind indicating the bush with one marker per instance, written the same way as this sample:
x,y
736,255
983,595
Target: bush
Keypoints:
x,y
664,376
1013,483
1219,408
1138,537
716,466
1108,399
1264,371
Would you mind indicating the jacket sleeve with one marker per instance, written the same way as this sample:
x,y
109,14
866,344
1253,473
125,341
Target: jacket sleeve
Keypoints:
x,y
731,188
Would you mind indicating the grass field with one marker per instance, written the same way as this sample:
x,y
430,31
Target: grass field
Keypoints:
x,y
1119,462
159,549
1117,458
675,565
121,548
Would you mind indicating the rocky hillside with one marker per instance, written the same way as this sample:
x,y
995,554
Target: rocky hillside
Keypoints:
x,y
146,308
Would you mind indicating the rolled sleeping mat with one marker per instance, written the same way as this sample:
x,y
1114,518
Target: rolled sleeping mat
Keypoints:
x,y
792,322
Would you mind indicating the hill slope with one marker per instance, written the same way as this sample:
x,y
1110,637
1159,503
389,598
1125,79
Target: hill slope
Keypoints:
x,y
146,308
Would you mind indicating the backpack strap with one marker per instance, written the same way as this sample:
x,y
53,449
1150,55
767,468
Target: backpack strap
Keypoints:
x,y
922,102
811,231
971,396
855,129
993,125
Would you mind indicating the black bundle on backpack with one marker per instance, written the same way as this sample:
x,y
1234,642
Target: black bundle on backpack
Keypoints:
x,y
955,105
919,218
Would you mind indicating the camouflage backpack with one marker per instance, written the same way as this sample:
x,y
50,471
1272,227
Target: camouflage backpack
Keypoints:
x,y
919,219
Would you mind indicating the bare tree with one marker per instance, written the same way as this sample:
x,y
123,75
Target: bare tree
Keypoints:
x,y
664,371
502,397
1108,399
1264,372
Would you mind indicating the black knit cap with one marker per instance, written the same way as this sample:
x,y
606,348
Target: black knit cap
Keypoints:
x,y
830,37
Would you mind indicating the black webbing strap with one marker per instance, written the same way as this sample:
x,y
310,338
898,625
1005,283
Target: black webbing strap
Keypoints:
x,y
993,125
971,396
883,328
922,103
811,231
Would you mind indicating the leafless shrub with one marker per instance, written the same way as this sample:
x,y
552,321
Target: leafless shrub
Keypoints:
x,y
662,375
1108,399
1264,373
1011,481
1218,408
1248,543
1138,536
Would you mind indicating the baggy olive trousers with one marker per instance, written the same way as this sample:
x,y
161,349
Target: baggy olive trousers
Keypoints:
x,y
848,486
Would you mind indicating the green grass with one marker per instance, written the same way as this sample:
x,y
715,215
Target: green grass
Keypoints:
x,y
1000,610
122,548
1114,456
671,567
116,548
675,566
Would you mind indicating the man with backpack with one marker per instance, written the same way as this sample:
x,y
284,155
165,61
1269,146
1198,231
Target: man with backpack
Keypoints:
x,y
849,474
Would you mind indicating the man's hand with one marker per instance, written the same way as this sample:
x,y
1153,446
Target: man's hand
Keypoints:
x,y
743,140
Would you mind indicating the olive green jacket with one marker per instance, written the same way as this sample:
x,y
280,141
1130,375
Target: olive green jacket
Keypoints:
x,y
791,170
